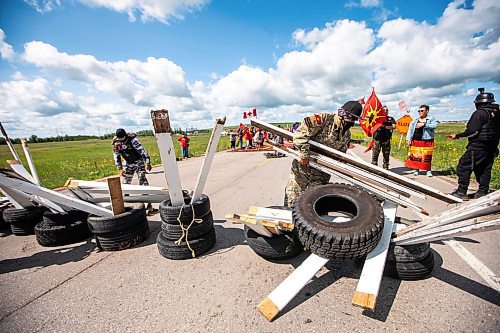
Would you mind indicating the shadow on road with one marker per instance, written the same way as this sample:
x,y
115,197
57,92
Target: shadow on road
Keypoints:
x,y
461,282
59,256
227,238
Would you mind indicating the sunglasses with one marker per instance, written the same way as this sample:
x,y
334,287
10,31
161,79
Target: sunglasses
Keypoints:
x,y
421,110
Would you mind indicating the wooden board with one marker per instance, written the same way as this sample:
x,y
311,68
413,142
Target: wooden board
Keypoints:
x,y
116,196
31,164
161,123
278,214
276,301
373,269
53,196
338,155
207,161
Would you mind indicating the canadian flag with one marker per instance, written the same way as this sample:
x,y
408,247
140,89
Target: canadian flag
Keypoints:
x,y
252,113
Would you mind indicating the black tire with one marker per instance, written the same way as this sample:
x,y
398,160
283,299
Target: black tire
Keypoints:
x,y
22,221
56,235
278,247
344,240
63,218
103,225
410,271
124,239
169,214
409,262
168,248
408,253
174,231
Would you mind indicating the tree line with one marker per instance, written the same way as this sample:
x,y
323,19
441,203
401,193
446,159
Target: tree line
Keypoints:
x,y
60,138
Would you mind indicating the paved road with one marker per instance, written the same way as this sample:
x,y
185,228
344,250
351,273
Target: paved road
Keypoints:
x,y
76,288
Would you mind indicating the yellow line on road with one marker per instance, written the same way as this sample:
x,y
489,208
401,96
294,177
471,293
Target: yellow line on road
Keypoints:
x,y
262,163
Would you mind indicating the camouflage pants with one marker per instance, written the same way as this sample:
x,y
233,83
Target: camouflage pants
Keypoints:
x,y
131,168
302,178
385,146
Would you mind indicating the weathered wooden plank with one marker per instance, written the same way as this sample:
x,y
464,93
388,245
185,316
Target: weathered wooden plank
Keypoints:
x,y
207,161
338,155
9,143
31,164
271,306
371,275
279,214
53,196
161,123
404,202
116,196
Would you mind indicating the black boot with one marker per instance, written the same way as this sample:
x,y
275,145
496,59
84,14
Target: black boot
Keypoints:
x,y
461,194
480,194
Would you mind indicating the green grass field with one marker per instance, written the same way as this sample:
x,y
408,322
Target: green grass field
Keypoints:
x,y
92,159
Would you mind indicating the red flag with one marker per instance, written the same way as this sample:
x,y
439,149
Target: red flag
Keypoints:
x,y
244,115
254,111
373,115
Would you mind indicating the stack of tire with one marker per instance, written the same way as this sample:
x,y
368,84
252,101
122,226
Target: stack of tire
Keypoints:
x,y
62,228
277,247
349,239
409,262
187,231
22,221
121,231
4,227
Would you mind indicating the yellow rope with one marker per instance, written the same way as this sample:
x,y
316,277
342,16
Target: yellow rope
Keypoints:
x,y
185,231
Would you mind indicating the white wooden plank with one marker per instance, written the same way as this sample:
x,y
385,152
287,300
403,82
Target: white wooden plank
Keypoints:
x,y
356,172
17,200
456,232
441,228
371,275
207,161
167,154
101,187
18,168
31,164
404,202
291,286
9,144
258,228
53,196
459,212
163,132
281,214
44,202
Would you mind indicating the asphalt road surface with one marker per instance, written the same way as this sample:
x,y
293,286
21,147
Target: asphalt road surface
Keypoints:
x,y
75,288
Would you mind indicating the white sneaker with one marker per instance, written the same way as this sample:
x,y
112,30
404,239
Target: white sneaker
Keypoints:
x,y
415,173
429,173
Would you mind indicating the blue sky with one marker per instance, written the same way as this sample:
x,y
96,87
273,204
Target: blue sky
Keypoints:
x,y
87,66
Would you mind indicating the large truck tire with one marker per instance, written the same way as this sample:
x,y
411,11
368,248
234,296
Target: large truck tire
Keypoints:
x,y
338,240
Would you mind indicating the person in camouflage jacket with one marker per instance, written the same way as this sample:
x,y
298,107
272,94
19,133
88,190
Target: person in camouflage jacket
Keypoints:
x,y
326,128
127,145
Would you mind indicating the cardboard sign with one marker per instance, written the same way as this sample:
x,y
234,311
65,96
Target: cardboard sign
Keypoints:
x,y
403,123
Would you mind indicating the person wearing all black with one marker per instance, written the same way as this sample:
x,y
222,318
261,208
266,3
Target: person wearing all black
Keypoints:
x,y
483,133
382,140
